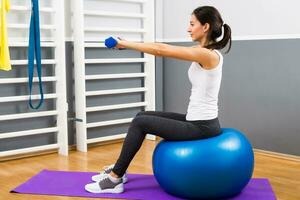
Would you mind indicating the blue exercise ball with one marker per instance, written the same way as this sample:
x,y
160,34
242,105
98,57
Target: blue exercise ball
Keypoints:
x,y
212,168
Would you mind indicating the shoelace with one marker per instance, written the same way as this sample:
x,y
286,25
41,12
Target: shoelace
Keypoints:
x,y
104,178
105,169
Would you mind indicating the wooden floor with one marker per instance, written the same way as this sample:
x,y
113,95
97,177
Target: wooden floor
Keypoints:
x,y
283,174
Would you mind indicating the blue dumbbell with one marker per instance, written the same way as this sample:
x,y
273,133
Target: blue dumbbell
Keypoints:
x,y
111,42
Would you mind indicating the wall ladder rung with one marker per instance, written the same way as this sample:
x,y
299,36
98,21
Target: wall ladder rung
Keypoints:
x,y
27,115
129,1
26,97
28,8
114,14
25,44
117,30
25,62
115,60
114,76
29,150
106,138
26,26
114,107
115,91
28,132
94,45
108,123
25,80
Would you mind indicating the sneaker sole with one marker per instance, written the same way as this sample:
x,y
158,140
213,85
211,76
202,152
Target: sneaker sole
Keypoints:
x,y
118,189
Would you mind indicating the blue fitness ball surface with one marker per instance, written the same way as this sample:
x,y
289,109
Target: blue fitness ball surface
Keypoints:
x,y
217,167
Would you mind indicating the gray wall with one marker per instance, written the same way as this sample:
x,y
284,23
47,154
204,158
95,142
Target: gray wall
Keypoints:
x,y
259,94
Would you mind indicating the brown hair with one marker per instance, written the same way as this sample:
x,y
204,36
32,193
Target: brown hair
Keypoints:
x,y
210,15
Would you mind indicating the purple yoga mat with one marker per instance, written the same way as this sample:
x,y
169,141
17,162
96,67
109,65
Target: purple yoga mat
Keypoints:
x,y
139,186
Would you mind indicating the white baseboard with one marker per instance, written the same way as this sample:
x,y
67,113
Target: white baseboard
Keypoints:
x,y
278,155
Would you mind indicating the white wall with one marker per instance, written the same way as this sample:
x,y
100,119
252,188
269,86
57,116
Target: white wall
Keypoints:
x,y
248,19
254,19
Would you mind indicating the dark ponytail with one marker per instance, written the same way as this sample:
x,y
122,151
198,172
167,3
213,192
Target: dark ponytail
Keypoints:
x,y
225,40
210,15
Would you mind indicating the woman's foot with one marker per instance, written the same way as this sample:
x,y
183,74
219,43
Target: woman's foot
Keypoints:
x,y
107,184
107,170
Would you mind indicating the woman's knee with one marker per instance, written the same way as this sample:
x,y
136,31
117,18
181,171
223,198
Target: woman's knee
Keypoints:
x,y
141,113
141,121
145,113
138,119
138,125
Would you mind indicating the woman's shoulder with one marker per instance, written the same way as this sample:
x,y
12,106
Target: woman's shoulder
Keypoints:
x,y
215,59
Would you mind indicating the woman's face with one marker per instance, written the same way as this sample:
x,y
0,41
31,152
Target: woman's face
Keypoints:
x,y
196,30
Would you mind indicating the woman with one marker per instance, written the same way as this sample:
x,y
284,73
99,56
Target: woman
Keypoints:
x,y
201,120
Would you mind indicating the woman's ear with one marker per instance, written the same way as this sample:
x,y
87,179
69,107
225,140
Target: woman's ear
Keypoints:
x,y
206,27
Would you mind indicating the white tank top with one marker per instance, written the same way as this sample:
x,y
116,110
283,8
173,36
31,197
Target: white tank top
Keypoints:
x,y
206,84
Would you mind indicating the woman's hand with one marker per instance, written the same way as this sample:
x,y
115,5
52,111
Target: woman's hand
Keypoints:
x,y
120,46
114,43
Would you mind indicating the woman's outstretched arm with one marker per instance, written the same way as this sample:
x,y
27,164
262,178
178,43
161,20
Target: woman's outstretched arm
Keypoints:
x,y
205,57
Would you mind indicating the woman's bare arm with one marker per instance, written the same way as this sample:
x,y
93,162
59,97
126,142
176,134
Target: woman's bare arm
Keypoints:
x,y
207,58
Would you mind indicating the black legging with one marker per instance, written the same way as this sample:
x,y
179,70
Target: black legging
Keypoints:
x,y
170,126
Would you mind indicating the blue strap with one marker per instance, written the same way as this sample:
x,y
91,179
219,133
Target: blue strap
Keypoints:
x,y
34,49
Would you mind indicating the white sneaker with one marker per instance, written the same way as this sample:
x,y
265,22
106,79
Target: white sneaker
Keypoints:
x,y
106,185
105,171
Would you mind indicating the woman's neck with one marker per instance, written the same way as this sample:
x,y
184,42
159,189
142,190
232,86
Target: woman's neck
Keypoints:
x,y
203,42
